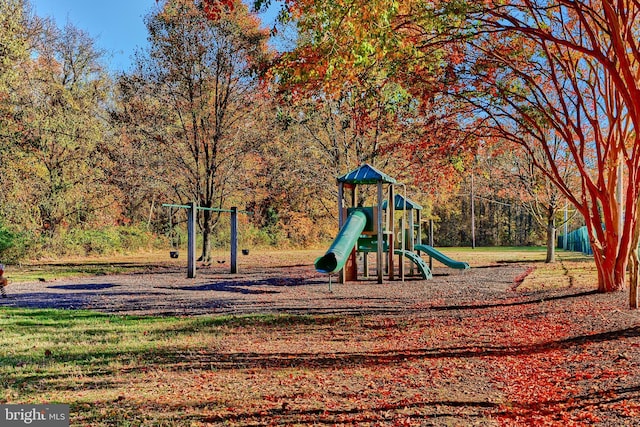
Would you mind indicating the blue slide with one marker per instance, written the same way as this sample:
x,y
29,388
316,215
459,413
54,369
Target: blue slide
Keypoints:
x,y
439,256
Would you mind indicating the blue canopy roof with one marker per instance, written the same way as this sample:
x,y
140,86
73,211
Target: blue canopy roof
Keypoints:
x,y
399,203
366,174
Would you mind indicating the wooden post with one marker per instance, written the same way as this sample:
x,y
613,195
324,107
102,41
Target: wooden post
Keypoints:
x,y
340,202
234,240
352,264
191,240
365,264
419,221
351,267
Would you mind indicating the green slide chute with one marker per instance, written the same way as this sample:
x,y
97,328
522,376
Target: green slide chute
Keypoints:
x,y
423,268
439,256
347,238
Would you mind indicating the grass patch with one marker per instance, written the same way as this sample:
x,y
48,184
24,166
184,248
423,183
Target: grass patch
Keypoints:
x,y
69,267
119,370
482,256
48,269
56,343
448,367
571,270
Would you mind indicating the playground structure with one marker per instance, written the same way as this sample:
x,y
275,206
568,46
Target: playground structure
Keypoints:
x,y
192,210
372,229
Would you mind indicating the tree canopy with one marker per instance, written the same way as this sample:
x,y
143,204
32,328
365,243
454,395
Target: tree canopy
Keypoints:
x,y
190,98
536,73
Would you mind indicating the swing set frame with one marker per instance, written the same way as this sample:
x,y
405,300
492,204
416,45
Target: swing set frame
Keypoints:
x,y
192,210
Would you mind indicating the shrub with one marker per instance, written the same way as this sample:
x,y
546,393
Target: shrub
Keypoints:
x,y
107,240
7,239
13,245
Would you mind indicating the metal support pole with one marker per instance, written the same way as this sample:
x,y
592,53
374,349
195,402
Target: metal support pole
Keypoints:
x,y
191,240
473,214
379,253
431,243
566,220
391,231
234,240
341,220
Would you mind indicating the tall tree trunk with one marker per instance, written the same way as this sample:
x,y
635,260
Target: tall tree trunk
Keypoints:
x,y
611,269
551,243
633,279
206,237
604,266
634,264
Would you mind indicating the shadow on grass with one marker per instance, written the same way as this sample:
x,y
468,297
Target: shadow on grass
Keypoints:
x,y
578,259
122,411
591,402
519,261
511,303
501,264
185,360
360,413
369,410
439,409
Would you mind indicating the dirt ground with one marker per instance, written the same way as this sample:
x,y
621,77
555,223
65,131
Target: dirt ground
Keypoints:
x,y
556,356
293,289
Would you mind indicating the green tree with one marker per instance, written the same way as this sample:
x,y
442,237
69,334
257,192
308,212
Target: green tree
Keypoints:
x,y
13,17
381,67
60,137
189,97
14,22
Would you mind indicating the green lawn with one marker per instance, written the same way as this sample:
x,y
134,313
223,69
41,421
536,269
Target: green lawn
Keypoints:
x,y
94,361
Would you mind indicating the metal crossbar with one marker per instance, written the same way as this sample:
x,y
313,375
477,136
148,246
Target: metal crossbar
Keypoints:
x,y
202,208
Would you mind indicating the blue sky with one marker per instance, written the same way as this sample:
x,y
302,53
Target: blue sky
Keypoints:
x,y
117,26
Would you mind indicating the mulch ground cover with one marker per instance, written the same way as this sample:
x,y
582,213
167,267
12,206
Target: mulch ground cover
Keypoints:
x,y
466,348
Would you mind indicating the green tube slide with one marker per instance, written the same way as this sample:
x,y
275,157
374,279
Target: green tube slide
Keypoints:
x,y
439,256
347,238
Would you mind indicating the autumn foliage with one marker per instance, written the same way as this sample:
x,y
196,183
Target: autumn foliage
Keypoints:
x,y
214,8
541,75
